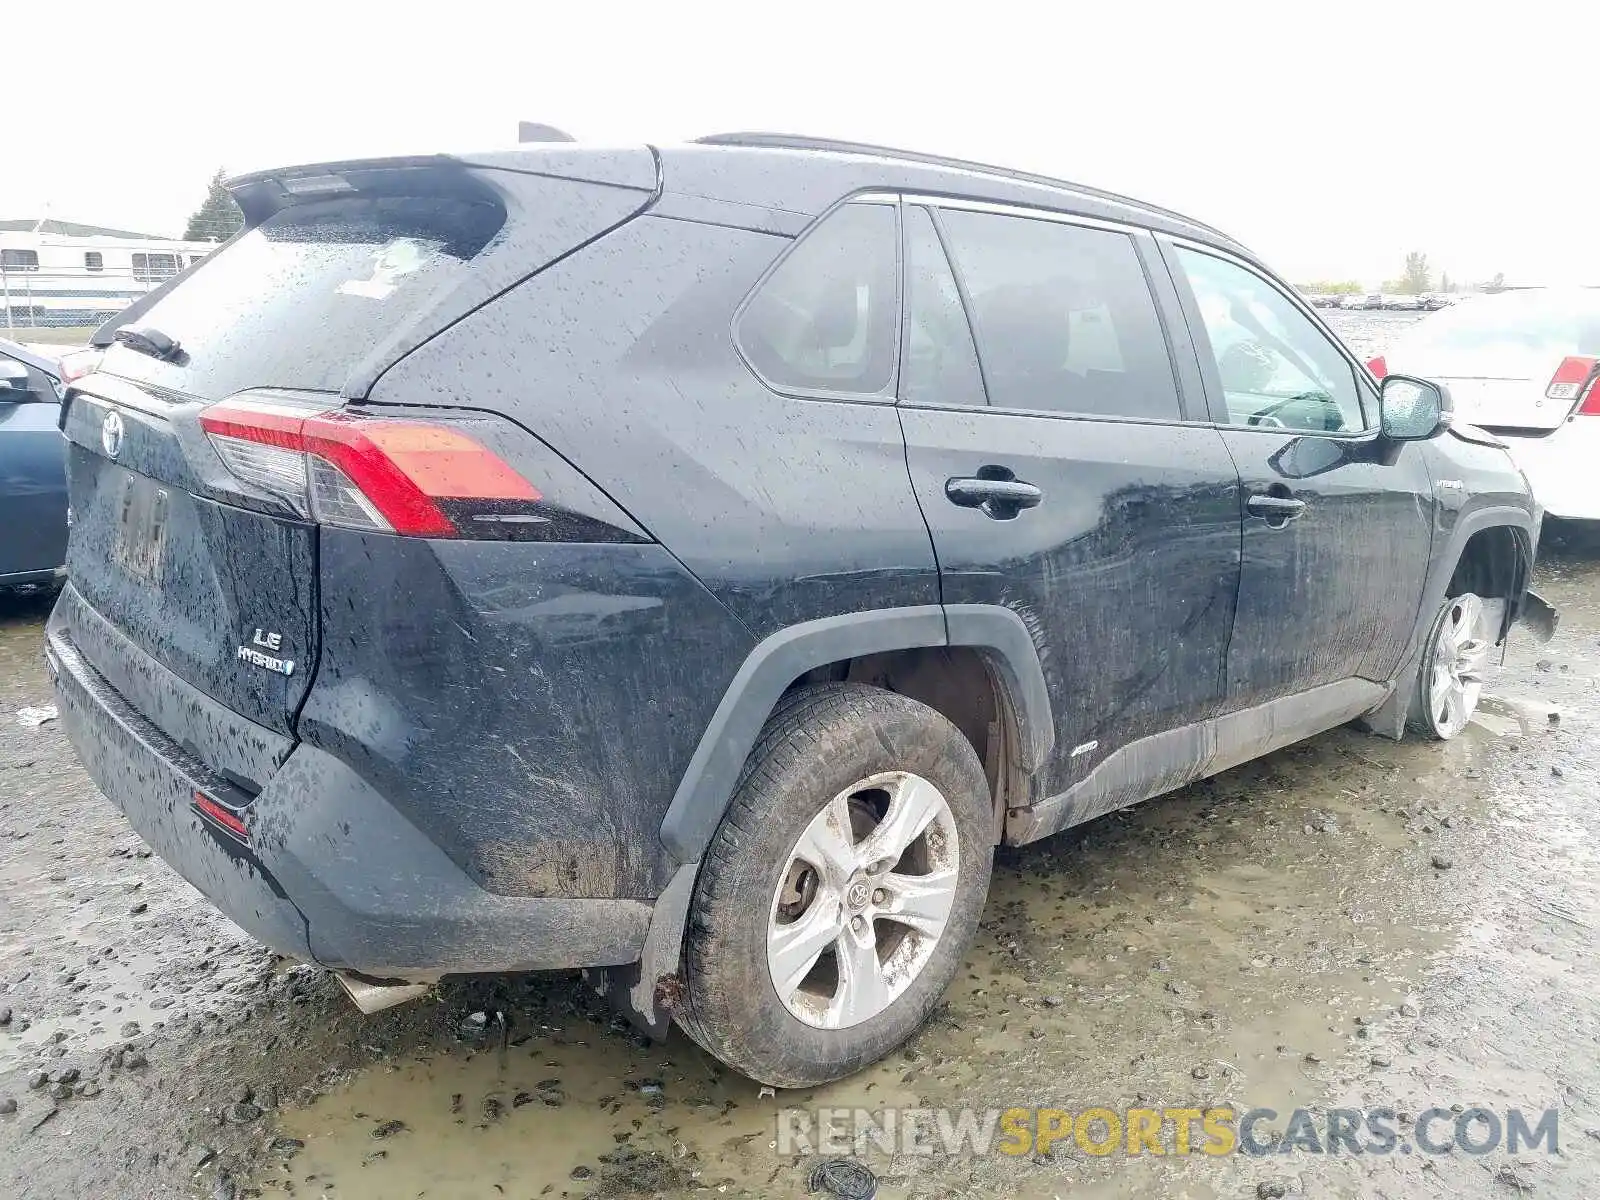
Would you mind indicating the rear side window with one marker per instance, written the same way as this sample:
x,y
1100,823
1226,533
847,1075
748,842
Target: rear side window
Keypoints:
x,y
940,365
301,299
824,320
1064,317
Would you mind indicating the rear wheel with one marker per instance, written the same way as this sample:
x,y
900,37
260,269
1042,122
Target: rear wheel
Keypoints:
x,y
1454,659
841,891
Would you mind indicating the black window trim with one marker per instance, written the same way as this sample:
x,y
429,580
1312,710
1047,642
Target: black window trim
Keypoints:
x,y
1139,235
907,201
888,394
1366,395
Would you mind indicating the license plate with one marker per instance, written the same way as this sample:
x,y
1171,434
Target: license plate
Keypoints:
x,y
141,529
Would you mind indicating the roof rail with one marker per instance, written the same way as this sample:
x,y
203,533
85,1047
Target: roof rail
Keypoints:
x,y
789,141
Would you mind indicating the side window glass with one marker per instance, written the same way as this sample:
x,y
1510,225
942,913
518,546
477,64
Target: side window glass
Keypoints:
x,y
1063,315
825,319
1278,370
939,363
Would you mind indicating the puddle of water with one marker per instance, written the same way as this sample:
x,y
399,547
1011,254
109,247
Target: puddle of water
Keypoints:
x,y
1214,947
574,1109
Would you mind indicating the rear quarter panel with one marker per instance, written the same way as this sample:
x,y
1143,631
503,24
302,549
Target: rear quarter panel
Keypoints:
x,y
529,706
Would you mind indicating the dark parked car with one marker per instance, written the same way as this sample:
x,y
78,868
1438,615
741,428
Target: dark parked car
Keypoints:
x,y
690,562
33,477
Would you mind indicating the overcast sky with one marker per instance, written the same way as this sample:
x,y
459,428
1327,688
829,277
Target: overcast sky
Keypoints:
x,y
1331,138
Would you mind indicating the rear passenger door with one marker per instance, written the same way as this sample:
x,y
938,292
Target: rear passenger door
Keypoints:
x,y
1047,443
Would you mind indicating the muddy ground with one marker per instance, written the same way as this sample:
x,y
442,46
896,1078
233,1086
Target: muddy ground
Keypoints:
x,y
1350,921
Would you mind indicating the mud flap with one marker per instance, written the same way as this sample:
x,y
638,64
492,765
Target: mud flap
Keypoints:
x,y
646,991
1538,616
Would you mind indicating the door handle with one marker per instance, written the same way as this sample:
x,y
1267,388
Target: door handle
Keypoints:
x,y
1278,510
995,492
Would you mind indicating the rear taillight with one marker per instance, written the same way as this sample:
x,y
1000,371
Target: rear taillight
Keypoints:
x,y
1378,367
1574,382
338,468
78,363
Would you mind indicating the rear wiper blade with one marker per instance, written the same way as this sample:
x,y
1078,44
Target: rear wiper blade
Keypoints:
x,y
147,339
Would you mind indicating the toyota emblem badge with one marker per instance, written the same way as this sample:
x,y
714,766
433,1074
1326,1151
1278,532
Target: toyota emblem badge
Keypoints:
x,y
111,434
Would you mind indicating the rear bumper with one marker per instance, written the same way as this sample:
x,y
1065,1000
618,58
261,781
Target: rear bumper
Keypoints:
x,y
332,873
1561,468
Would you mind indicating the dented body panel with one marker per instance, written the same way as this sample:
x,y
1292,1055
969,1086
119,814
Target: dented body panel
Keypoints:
x,y
1125,575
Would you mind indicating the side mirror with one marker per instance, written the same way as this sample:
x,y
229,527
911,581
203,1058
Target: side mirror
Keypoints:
x,y
19,385
1413,410
14,383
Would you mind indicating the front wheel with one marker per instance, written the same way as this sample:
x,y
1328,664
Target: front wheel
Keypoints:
x,y
842,889
1454,659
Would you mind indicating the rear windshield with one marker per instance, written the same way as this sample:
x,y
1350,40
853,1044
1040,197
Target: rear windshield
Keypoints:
x,y
1516,325
298,301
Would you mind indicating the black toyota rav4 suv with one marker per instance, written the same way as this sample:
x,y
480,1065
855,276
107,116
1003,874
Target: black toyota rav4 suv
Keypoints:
x,y
690,562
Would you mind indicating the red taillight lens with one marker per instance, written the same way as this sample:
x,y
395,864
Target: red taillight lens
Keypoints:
x,y
1378,367
1574,382
359,471
227,818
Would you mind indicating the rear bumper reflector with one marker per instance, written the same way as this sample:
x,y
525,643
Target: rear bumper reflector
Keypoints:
x,y
223,818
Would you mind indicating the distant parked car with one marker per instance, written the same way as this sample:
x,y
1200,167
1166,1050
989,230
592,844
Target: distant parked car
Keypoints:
x,y
33,477
33,484
1372,300
1523,365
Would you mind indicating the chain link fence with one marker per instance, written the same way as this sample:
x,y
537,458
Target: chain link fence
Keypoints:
x,y
46,297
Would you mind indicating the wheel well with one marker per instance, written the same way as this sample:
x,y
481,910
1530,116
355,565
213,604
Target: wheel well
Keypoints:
x,y
1493,563
959,683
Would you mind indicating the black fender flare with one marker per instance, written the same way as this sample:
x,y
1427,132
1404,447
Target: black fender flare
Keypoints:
x,y
1389,718
706,789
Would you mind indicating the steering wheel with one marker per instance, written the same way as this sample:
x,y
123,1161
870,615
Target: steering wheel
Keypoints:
x,y
1267,418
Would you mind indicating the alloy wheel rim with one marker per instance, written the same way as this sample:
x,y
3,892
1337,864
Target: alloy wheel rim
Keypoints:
x,y
862,900
1456,674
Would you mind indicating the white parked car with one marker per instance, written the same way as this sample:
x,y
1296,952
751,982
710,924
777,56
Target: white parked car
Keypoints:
x,y
1523,365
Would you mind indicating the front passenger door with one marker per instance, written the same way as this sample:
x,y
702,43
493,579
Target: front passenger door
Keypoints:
x,y
1337,521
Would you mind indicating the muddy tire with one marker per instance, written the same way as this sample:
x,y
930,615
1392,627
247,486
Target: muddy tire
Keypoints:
x,y
1450,675
842,890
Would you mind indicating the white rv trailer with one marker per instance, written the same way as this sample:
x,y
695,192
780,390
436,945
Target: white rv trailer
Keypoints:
x,y
57,273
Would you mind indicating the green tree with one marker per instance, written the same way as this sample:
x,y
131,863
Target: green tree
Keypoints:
x,y
218,218
1444,282
1497,284
1415,280
1330,287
